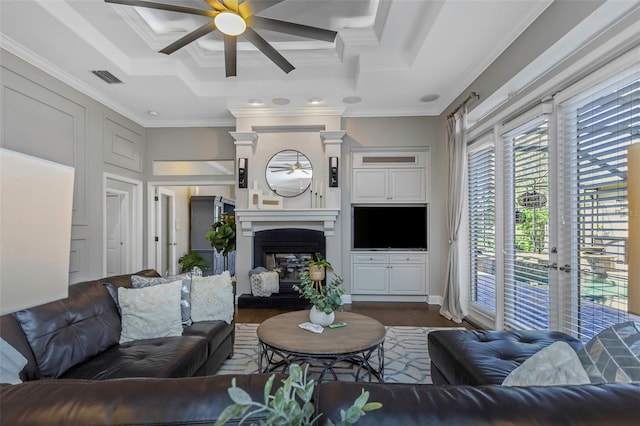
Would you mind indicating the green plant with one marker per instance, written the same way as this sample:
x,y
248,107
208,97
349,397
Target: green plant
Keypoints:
x,y
533,229
284,407
222,236
325,298
319,260
191,260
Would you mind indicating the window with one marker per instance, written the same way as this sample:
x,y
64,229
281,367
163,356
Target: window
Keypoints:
x,y
481,163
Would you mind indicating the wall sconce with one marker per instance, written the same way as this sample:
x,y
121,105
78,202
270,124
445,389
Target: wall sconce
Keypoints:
x,y
242,172
333,172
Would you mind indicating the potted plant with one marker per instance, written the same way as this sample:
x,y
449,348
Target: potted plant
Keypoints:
x,y
325,299
222,236
317,267
290,404
192,260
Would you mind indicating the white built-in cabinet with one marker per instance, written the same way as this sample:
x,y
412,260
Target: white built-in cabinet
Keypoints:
x,y
389,273
390,177
385,177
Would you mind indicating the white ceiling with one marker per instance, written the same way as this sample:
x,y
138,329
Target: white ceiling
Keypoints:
x,y
389,53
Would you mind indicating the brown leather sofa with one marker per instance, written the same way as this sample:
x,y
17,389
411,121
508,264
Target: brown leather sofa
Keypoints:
x,y
200,400
148,383
77,338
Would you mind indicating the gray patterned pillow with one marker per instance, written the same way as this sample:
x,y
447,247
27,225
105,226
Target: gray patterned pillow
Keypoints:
x,y
185,301
613,355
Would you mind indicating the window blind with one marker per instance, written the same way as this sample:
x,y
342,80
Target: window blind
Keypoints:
x,y
526,278
482,227
597,127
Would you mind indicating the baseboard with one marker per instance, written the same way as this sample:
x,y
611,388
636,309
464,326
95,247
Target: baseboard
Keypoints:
x,y
435,300
387,298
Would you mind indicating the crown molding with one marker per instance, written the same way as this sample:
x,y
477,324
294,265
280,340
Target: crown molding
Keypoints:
x,y
286,112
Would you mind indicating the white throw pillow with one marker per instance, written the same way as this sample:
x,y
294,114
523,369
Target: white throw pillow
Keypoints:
x,y
212,298
557,364
150,312
11,363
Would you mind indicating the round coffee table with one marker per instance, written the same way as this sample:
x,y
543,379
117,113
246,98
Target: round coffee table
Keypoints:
x,y
282,343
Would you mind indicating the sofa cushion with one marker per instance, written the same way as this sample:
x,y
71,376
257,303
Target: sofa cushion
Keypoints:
x,y
555,365
70,331
477,357
212,298
613,355
185,301
150,312
215,332
164,357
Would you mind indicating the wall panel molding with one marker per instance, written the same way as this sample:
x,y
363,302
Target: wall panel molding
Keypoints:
x,y
122,146
41,122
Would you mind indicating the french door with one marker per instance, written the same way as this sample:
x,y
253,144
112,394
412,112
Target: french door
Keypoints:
x,y
527,205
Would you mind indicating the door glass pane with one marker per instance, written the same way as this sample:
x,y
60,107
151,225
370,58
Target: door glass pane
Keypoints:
x,y
599,128
482,227
527,251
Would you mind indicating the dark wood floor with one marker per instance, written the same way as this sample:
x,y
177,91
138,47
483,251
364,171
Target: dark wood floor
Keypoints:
x,y
388,313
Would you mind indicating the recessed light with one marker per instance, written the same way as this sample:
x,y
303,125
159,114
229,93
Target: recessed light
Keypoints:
x,y
255,102
153,113
280,101
315,101
429,98
352,99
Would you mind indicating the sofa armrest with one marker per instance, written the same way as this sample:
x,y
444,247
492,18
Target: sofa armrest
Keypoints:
x,y
140,401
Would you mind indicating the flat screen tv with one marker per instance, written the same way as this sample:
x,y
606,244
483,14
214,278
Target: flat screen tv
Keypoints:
x,y
389,227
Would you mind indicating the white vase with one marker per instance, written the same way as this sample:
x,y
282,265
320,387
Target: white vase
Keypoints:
x,y
320,318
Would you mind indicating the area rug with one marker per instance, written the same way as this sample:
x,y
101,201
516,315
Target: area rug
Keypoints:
x,y
405,352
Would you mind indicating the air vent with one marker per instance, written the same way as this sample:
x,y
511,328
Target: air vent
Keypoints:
x,y
385,160
107,77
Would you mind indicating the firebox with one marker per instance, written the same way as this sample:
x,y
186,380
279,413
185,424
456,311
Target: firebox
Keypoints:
x,y
288,252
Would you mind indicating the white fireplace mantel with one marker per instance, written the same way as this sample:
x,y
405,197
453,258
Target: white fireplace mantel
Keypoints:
x,y
253,220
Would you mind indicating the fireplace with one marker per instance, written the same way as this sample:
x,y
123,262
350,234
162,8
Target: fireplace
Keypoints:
x,y
288,252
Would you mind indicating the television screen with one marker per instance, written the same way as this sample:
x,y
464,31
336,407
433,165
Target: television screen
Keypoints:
x,y
390,227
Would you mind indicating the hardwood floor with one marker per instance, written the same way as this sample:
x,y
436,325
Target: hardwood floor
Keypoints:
x,y
388,313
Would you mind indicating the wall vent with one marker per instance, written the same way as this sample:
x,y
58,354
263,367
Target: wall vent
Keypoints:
x,y
386,160
107,77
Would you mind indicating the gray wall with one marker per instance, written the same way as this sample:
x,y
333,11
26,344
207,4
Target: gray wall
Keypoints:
x,y
46,118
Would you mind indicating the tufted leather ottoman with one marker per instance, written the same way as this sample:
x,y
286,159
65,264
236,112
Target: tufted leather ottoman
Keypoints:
x,y
481,357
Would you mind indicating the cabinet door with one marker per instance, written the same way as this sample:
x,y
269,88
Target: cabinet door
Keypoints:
x,y
370,278
407,185
369,185
407,278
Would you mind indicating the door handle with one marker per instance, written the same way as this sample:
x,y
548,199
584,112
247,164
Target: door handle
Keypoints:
x,y
565,268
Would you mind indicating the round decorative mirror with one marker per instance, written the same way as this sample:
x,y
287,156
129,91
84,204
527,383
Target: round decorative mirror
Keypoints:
x,y
289,173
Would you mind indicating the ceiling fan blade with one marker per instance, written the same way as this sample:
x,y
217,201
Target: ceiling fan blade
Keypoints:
x,y
162,6
293,29
215,4
192,36
252,7
268,50
230,55
231,4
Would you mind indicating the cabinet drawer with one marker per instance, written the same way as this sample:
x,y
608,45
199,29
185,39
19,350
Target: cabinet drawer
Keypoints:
x,y
370,258
408,258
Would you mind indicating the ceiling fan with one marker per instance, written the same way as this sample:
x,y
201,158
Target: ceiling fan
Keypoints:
x,y
235,18
292,168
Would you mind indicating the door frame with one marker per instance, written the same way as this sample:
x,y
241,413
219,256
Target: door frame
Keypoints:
x,y
135,216
170,240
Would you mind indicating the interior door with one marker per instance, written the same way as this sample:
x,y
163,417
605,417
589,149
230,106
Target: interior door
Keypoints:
x,y
116,234
166,261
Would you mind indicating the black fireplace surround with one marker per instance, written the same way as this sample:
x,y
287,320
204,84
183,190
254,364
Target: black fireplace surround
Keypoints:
x,y
287,251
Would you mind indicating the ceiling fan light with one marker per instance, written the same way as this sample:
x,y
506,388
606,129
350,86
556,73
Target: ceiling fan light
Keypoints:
x,y
230,23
